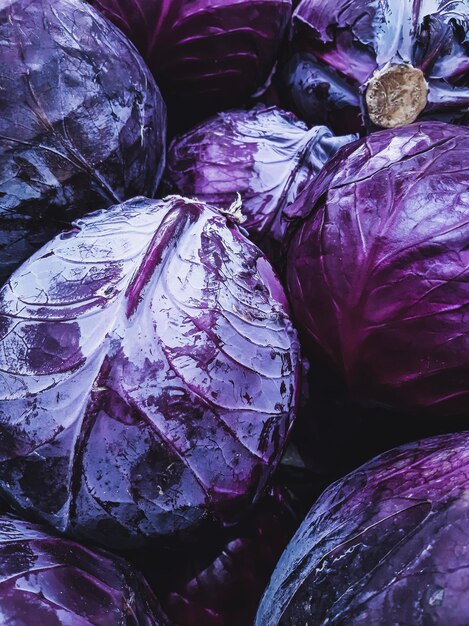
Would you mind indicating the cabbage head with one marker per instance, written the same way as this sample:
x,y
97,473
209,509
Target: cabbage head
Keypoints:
x,y
82,122
385,545
148,374
377,267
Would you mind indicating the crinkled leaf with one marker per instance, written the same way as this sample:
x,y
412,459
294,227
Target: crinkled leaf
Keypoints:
x,y
320,94
349,41
266,155
147,374
82,123
378,266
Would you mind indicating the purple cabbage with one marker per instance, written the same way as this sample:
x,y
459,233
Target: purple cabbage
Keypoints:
x,y
387,544
221,581
266,155
208,55
377,267
82,123
387,61
148,374
49,580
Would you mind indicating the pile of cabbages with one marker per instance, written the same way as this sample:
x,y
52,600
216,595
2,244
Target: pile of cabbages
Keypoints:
x,y
234,312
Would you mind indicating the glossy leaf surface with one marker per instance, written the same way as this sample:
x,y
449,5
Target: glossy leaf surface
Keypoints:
x,y
148,374
49,580
82,123
387,544
378,267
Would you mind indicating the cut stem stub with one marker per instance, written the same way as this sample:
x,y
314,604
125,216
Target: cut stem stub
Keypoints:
x,y
396,95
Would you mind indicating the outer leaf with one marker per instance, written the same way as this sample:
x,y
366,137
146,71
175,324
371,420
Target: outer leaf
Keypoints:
x,y
147,374
265,154
320,95
220,582
378,266
338,45
48,580
208,55
387,544
82,123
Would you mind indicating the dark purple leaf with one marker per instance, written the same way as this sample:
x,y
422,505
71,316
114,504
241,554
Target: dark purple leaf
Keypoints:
x,y
48,580
378,267
387,60
82,123
220,582
385,545
207,55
